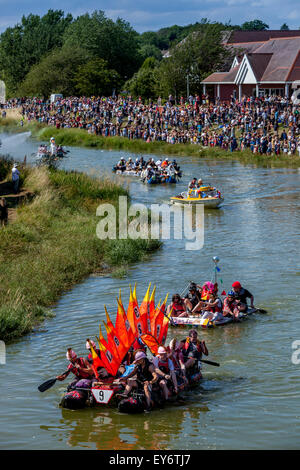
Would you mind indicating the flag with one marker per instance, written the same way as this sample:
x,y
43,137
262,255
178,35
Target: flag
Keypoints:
x,y
107,358
96,360
152,310
133,314
102,339
161,323
151,342
123,328
115,345
164,329
153,318
145,312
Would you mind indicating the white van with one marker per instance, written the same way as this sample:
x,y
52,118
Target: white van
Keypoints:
x,y
55,97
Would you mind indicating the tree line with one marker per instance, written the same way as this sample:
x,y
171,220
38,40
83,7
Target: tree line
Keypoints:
x,y
93,55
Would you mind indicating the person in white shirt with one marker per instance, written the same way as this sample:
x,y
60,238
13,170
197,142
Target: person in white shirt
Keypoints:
x,y
15,176
164,367
52,146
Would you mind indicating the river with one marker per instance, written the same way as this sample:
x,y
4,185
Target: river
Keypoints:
x,y
253,400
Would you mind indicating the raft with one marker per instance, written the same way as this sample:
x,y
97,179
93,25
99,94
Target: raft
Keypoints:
x,y
110,395
204,322
127,172
207,196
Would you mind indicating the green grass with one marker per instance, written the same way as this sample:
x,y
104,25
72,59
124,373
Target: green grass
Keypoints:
x,y
52,245
81,138
6,163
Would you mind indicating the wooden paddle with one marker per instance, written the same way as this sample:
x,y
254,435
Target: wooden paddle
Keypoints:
x,y
48,384
212,363
261,310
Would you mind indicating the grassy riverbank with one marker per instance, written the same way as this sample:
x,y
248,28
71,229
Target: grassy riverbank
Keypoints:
x,y
52,245
81,138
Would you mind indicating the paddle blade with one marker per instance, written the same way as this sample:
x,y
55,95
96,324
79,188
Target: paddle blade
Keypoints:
x,y
261,310
212,363
46,385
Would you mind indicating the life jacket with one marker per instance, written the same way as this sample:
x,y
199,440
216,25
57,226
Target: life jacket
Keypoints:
x,y
205,293
175,359
143,373
163,366
177,309
216,309
78,373
187,345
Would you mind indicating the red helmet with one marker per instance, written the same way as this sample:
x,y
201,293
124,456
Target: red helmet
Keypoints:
x,y
237,285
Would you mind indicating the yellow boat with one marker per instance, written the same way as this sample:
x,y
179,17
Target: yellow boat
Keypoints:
x,y
207,195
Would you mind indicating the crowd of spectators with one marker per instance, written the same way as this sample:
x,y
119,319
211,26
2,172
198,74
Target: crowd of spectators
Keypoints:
x,y
269,125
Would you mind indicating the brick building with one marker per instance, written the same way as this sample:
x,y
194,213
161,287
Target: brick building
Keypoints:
x,y
265,63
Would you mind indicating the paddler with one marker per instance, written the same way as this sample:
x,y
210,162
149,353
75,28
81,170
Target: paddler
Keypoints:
x,y
231,306
193,297
176,356
192,184
193,349
79,366
164,368
213,308
177,307
165,163
145,374
241,294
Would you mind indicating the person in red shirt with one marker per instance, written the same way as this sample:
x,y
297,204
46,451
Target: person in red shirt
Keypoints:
x,y
78,366
230,306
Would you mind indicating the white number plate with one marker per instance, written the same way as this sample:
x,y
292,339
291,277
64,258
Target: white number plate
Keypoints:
x,y
102,396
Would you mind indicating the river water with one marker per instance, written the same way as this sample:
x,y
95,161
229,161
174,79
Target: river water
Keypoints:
x,y
253,400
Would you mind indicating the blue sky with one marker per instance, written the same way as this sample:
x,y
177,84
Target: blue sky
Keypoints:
x,y
145,15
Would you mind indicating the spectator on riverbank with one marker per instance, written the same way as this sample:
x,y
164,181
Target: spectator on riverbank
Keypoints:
x,y
15,176
268,125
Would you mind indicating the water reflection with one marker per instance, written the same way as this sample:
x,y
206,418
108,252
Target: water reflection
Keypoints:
x,y
251,395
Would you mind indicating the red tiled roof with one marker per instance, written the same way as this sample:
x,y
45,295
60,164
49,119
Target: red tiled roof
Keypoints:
x,y
222,77
259,63
284,53
274,60
256,36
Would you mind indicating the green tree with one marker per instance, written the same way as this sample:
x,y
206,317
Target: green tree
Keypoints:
x,y
116,42
95,79
284,27
148,50
198,55
255,25
26,43
143,83
55,73
149,37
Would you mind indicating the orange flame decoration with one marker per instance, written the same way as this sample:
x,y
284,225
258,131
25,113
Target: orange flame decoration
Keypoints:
x,y
145,322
